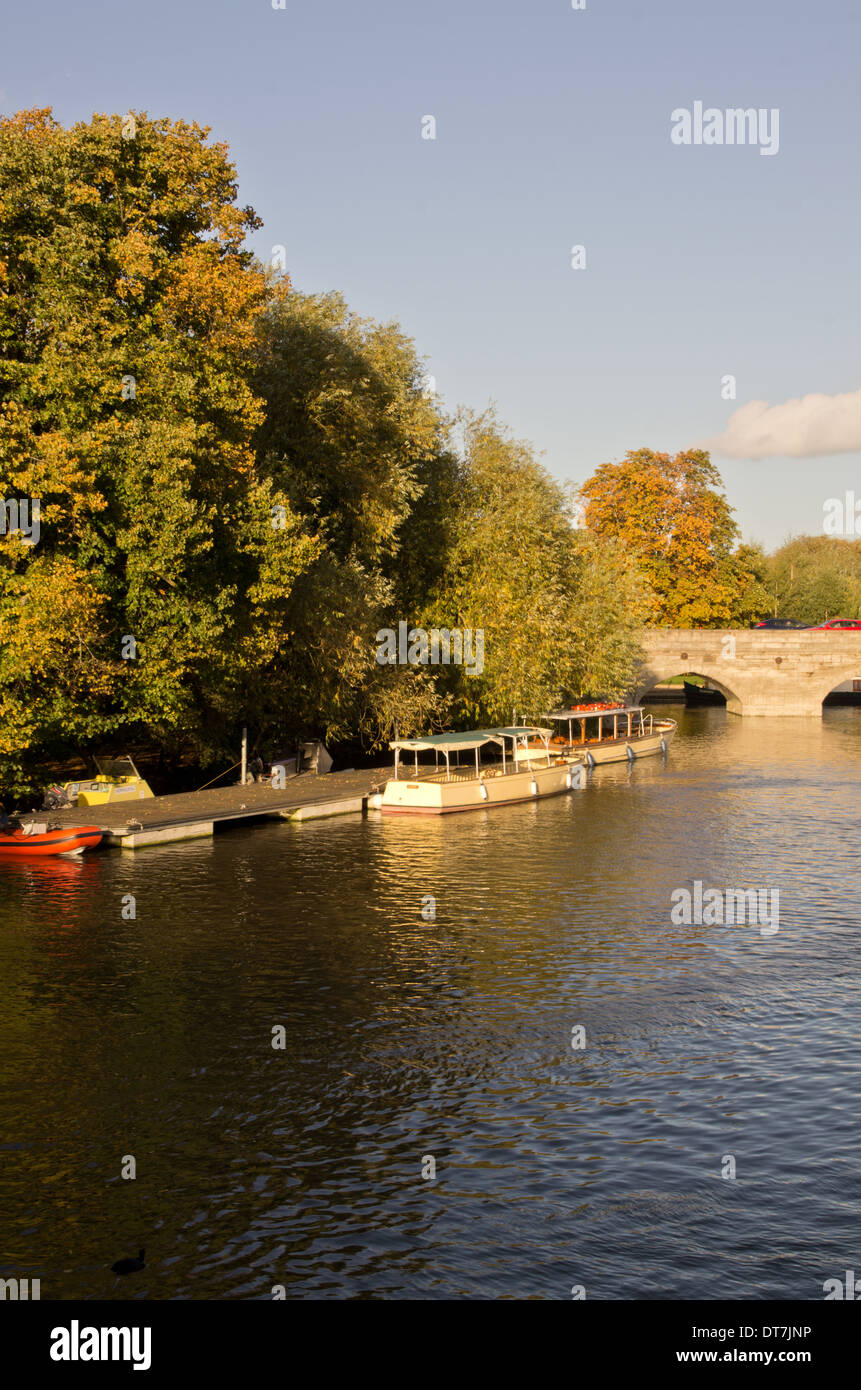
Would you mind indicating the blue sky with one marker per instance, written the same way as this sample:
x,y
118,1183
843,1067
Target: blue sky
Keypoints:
x,y
552,129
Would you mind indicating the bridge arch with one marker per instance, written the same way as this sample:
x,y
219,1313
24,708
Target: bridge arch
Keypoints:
x,y
835,678
733,702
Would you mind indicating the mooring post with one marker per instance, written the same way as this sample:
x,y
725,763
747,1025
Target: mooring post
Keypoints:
x,y
244,754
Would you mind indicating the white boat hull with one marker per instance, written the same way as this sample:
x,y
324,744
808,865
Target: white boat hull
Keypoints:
x,y
618,750
435,796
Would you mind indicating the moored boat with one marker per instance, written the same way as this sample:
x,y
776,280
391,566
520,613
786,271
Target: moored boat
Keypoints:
x,y
26,843
117,779
527,766
612,733
702,695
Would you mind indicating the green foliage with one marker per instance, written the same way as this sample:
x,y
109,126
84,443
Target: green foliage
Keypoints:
x,y
347,432
559,609
128,310
749,568
252,482
54,676
812,578
351,440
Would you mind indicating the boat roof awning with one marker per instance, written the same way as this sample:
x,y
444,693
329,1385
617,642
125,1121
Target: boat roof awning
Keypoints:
x,y
523,731
575,713
469,738
447,743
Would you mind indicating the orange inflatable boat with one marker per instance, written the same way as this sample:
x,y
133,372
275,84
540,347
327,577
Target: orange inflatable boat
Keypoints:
x,y
71,839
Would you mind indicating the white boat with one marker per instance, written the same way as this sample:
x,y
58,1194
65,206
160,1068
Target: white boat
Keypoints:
x,y
605,733
527,766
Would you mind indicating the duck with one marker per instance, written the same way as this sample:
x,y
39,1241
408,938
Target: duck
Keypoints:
x,y
129,1266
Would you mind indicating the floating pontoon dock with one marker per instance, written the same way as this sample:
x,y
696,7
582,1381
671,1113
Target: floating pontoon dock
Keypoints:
x,y
162,820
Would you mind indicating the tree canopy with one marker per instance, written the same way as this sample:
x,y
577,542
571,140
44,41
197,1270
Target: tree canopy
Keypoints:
x,y
812,578
241,485
128,312
560,609
672,514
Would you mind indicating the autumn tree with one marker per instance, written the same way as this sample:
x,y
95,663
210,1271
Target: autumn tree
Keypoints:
x,y
128,306
672,514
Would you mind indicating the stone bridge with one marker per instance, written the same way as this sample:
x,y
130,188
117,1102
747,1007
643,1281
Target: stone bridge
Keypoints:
x,y
758,670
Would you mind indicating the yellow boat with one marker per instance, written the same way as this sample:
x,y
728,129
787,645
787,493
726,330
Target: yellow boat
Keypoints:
x,y
117,779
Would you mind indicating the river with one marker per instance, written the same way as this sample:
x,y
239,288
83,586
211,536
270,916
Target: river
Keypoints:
x,y
448,1037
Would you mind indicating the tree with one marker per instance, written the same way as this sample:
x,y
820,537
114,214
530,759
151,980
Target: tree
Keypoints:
x,y
812,578
749,572
352,440
54,677
128,307
672,514
560,610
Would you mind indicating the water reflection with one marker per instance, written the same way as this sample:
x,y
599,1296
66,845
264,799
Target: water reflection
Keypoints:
x,y
408,1037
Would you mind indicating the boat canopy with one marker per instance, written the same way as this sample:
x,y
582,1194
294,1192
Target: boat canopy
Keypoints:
x,y
446,743
578,712
470,738
524,731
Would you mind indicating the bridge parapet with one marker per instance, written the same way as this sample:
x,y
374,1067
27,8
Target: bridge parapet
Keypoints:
x,y
759,671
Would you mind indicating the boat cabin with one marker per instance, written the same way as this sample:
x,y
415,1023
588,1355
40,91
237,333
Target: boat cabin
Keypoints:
x,y
603,723
518,747
523,764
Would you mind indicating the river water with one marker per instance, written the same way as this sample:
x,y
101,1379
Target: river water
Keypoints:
x,y
409,1040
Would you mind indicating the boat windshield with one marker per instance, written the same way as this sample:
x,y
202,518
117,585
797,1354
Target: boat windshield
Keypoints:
x,y
116,767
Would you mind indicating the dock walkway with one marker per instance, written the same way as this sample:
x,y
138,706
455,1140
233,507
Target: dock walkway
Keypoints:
x,y
191,815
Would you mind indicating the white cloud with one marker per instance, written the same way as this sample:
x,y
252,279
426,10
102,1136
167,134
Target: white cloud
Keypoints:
x,y
814,424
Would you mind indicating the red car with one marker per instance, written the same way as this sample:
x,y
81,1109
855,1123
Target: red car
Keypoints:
x,y
839,624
